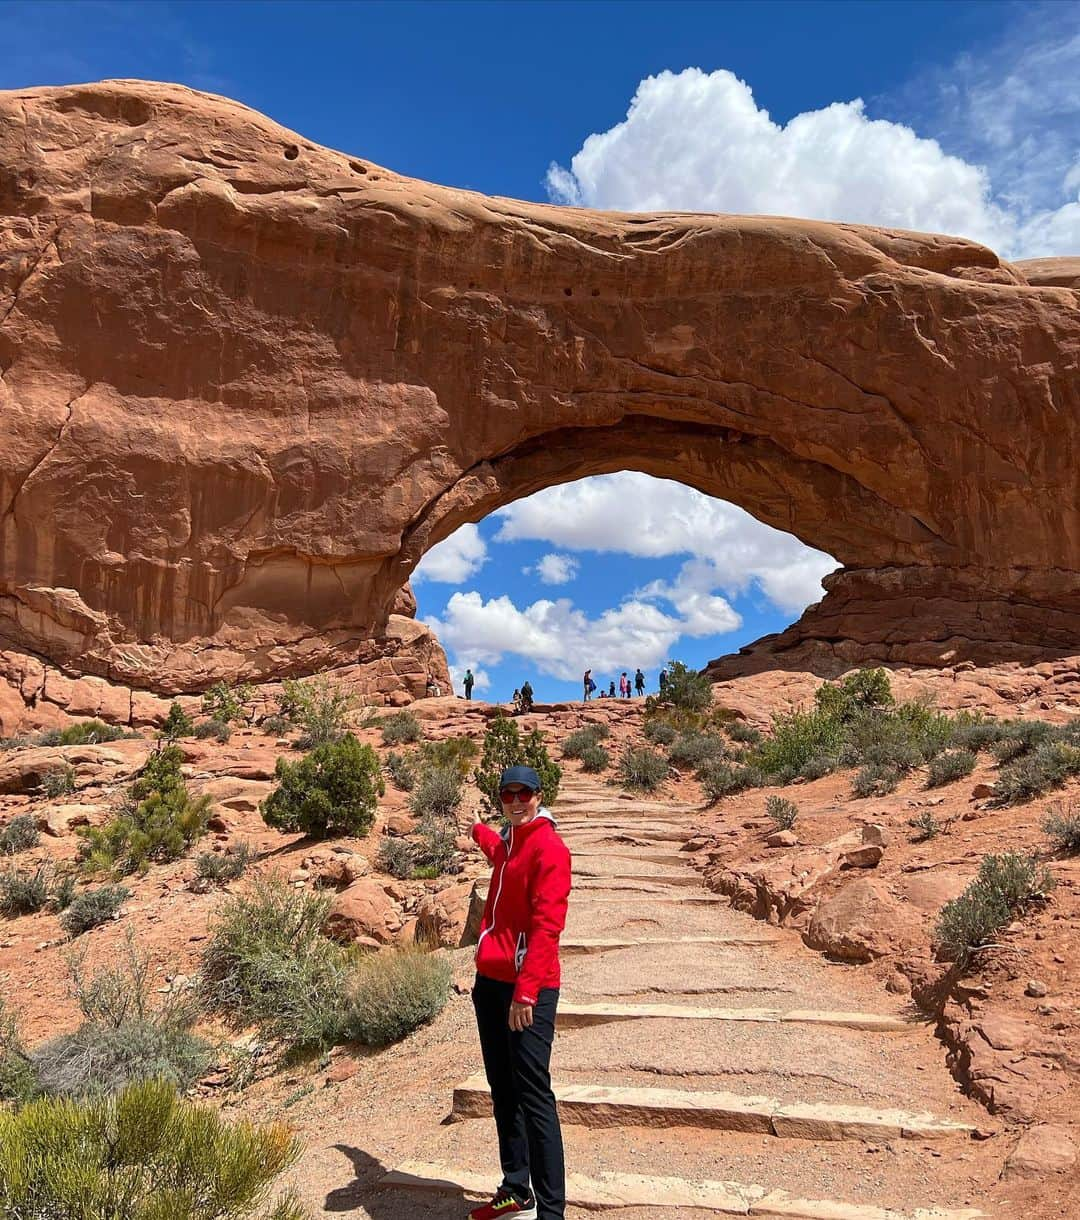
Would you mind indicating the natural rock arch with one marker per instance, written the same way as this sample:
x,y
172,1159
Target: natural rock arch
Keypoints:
x,y
247,381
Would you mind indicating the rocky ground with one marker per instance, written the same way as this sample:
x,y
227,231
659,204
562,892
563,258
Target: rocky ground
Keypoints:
x,y
836,915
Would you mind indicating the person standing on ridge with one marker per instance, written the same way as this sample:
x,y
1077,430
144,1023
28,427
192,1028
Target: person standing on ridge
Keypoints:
x,y
624,685
516,994
468,682
611,689
588,684
526,696
639,682
663,682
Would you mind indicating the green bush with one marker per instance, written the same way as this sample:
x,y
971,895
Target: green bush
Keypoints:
x,y
949,767
575,744
225,703
854,694
60,781
89,733
451,754
437,793
641,768
400,728
18,1082
63,891
402,770
1062,828
975,734
1020,737
794,740
1003,888
1046,767
595,759
816,767
24,893
720,778
333,791
686,688
745,734
396,857
926,827
177,723
140,1155
20,834
319,708
395,993
267,963
275,725
504,747
695,748
212,730
435,852
876,779
660,731
93,907
219,868
158,821
782,813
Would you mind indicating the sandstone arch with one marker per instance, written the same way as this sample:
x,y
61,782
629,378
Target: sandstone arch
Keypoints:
x,y
246,380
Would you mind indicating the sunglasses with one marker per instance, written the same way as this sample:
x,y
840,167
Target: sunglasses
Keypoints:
x,y
509,795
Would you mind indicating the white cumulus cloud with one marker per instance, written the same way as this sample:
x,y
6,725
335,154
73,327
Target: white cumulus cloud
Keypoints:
x,y
455,559
557,569
697,141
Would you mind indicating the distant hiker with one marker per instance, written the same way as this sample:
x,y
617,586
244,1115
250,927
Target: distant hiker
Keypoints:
x,y
639,682
624,686
526,696
517,700
588,684
611,689
433,691
468,682
515,997
663,682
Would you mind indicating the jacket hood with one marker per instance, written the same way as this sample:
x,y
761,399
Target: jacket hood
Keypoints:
x,y
542,814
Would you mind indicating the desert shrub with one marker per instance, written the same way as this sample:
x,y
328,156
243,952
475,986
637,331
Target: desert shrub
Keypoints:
x,y
660,731
720,778
926,826
319,708
14,743
437,793
1020,737
267,963
576,743
505,747
686,688
875,779
396,857
854,693
125,1036
816,767
275,725
93,907
451,754
219,868
1003,888
435,851
402,769
642,768
977,734
949,767
794,739
20,834
1062,827
143,1154
226,703
400,728
395,993
694,748
1046,767
158,821
18,1082
212,730
60,781
781,812
63,891
332,791
745,734
177,723
595,759
24,893
89,733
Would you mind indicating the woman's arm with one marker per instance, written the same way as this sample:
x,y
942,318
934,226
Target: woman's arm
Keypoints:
x,y
487,839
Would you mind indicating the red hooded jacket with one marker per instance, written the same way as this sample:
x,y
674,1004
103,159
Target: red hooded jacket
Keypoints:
x,y
525,911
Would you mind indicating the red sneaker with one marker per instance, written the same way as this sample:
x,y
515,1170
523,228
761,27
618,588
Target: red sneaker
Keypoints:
x,y
504,1204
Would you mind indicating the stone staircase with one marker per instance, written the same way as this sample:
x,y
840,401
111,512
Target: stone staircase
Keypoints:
x,y
680,1093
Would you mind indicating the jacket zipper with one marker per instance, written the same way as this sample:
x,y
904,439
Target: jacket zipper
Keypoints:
x,y
498,892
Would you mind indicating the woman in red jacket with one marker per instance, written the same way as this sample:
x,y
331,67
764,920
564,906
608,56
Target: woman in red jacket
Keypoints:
x,y
515,996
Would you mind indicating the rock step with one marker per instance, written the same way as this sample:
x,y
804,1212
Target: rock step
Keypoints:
x,y
597,899
610,1105
641,834
627,853
623,1190
572,1016
604,944
686,878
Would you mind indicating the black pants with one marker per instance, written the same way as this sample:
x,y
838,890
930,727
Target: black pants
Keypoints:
x,y
518,1071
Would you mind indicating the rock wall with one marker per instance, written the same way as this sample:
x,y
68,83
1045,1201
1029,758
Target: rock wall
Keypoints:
x,y
246,381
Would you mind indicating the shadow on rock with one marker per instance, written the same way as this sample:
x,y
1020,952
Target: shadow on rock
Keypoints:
x,y
390,1203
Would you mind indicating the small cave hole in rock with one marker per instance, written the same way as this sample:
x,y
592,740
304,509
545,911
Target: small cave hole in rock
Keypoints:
x,y
357,167
292,151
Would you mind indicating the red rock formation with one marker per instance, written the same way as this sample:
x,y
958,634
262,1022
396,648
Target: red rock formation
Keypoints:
x,y
247,381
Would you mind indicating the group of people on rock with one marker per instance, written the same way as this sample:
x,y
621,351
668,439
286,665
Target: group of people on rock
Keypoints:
x,y
626,685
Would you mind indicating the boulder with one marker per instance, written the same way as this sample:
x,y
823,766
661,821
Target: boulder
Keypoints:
x,y
23,771
60,820
860,922
364,910
450,918
1043,1149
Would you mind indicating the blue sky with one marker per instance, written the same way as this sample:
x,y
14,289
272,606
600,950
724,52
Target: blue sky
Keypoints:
x,y
958,117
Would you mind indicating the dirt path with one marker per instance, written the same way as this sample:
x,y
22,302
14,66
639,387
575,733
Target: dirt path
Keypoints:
x,y
704,1064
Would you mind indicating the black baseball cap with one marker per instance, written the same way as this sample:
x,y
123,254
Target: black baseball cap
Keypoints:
x,y
525,776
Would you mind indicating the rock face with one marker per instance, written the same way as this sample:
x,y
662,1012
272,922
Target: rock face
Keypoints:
x,y
247,381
